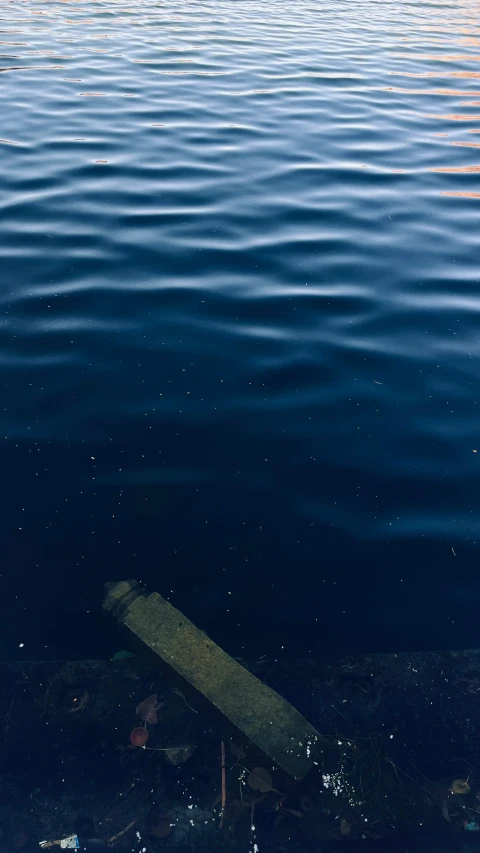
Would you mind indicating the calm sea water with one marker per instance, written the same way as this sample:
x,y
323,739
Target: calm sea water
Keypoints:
x,y
239,339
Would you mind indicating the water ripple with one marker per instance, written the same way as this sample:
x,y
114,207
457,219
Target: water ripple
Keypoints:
x,y
240,303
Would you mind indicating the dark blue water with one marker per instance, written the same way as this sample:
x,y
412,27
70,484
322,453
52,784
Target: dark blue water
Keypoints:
x,y
240,268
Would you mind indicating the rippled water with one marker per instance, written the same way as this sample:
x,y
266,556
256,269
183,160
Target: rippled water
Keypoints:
x,y
240,337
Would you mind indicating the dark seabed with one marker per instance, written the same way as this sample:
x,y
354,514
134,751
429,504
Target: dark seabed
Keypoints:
x,y
240,265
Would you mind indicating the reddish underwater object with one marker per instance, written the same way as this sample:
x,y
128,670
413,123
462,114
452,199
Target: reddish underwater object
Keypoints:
x,y
162,828
139,736
147,710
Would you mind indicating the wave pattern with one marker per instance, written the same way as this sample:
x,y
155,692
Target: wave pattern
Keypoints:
x,y
240,300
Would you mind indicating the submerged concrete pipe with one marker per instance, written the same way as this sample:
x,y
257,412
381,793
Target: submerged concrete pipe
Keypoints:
x,y
264,717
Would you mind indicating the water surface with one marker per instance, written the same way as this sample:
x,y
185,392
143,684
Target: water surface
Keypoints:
x,y
240,311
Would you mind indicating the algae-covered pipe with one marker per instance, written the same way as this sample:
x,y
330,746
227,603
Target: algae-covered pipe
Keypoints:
x,y
256,710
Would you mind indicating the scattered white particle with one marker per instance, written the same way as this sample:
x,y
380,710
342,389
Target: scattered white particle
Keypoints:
x,y
21,645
